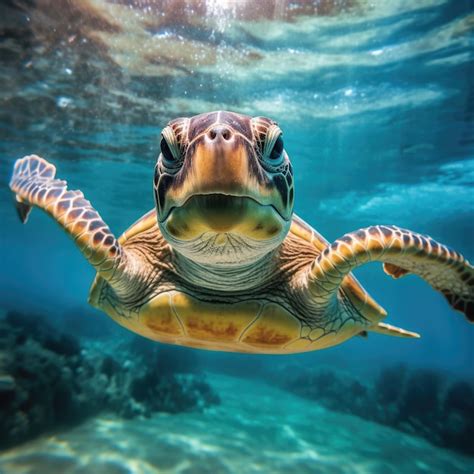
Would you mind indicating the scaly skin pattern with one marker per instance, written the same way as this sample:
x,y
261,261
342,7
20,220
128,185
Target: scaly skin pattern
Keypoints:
x,y
33,183
403,251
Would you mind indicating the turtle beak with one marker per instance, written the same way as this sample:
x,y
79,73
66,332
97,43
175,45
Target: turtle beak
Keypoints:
x,y
220,164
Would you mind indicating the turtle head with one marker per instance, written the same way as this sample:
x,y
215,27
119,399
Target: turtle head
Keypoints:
x,y
223,187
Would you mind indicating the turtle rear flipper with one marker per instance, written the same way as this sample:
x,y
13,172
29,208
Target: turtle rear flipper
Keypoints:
x,y
389,330
34,184
402,251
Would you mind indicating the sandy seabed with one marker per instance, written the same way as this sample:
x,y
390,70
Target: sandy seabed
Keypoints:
x,y
255,429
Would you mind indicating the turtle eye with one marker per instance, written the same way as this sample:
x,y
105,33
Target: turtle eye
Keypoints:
x,y
166,151
277,150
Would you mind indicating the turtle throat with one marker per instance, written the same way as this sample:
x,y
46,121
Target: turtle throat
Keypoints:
x,y
223,249
229,279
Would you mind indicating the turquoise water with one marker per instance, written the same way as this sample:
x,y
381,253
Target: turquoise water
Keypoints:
x,y
375,100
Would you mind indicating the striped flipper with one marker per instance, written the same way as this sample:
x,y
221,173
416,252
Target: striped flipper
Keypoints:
x,y
33,184
403,251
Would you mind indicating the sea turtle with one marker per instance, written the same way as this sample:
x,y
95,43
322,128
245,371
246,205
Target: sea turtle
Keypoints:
x,y
222,262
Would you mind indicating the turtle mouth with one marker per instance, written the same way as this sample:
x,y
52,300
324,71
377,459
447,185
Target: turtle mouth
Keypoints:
x,y
220,204
220,213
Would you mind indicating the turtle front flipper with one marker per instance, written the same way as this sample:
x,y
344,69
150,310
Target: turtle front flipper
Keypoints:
x,y
34,184
402,252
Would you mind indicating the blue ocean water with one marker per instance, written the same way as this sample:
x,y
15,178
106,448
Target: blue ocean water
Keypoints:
x,y
376,103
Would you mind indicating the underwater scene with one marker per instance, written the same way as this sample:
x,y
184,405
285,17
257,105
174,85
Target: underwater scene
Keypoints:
x,y
373,104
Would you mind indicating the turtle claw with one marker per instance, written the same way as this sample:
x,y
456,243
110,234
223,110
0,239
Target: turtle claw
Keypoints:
x,y
22,209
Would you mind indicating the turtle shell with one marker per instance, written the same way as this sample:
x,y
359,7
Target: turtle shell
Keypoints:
x,y
247,326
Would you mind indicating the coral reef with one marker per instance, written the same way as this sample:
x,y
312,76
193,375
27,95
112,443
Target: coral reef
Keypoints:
x,y
417,401
49,380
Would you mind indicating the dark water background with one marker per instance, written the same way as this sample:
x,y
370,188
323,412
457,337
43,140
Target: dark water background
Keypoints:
x,y
375,99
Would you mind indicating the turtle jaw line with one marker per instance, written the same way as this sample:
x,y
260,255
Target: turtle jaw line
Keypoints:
x,y
223,196
223,229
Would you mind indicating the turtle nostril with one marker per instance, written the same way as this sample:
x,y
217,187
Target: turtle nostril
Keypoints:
x,y
220,133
